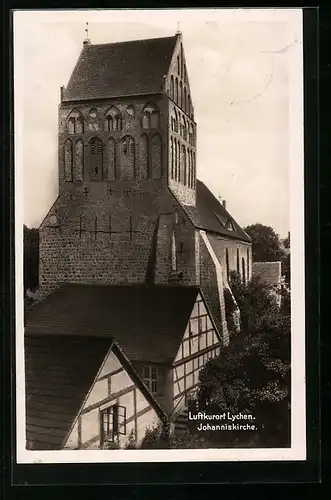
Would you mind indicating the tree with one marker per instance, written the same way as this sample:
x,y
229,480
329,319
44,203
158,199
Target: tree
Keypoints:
x,y
31,258
252,374
266,244
268,247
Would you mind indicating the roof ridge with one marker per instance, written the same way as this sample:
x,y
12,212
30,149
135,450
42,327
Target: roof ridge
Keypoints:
x,y
124,42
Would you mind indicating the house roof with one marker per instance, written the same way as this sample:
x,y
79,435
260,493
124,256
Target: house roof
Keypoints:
x,y
210,215
119,69
147,322
59,372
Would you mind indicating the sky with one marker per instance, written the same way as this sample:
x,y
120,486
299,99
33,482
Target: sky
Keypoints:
x,y
242,77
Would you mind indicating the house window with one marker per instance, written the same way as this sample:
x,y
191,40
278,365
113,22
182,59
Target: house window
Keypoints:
x,y
150,378
113,422
200,324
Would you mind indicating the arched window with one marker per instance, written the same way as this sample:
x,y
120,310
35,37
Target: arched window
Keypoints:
x,y
238,264
194,170
79,160
113,120
150,117
176,121
181,95
176,90
68,160
175,160
178,65
110,164
184,166
144,157
243,269
96,158
172,87
247,264
178,161
75,122
71,125
156,157
184,130
185,100
227,264
172,159
182,60
189,105
173,253
127,157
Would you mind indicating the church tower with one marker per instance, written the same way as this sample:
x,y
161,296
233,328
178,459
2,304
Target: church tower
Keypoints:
x,y
127,169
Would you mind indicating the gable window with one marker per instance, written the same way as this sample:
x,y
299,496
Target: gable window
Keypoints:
x,y
150,378
113,423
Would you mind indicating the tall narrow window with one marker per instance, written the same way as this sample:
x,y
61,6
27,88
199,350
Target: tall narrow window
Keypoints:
x,y
184,166
178,65
243,268
194,171
127,158
173,253
80,125
227,264
176,90
238,265
150,117
172,87
79,160
184,129
185,100
71,125
172,157
179,162
96,158
181,98
110,165
113,120
144,157
68,160
156,157
75,124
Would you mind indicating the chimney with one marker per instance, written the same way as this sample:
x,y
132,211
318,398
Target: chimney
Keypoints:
x,y
224,204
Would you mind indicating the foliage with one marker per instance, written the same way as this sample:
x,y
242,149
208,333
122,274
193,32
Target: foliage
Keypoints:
x,y
252,374
266,244
258,306
131,443
31,258
268,247
154,439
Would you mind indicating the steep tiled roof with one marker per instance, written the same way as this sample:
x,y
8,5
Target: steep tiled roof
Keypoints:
x,y
119,69
210,215
59,372
147,322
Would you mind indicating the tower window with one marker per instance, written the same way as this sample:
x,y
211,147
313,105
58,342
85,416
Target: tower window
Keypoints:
x,y
113,120
75,123
96,154
150,117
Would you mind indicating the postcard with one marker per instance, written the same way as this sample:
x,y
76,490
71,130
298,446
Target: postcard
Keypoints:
x,y
159,215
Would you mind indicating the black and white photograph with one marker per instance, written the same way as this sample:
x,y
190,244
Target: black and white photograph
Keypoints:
x,y
159,214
